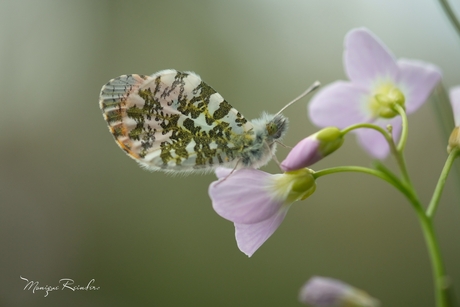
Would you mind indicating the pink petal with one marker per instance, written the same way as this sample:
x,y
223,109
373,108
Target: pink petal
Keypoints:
x,y
340,104
250,237
244,196
323,291
454,95
367,59
417,80
374,142
304,154
222,172
326,292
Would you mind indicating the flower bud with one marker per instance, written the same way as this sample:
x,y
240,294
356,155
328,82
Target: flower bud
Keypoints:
x,y
454,140
329,292
295,185
454,95
313,148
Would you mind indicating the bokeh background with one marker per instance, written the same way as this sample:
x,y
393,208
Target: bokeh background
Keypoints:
x,y
73,205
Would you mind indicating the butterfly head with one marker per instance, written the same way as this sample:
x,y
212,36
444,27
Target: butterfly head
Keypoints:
x,y
277,127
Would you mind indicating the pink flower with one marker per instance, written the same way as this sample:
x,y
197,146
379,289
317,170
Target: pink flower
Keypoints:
x,y
313,148
328,292
377,82
257,202
454,95
454,139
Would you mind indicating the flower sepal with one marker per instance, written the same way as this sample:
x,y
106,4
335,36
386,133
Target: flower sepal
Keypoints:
x,y
299,184
331,139
454,140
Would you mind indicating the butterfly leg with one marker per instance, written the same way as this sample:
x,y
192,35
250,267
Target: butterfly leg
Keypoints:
x,y
234,169
276,160
284,145
273,155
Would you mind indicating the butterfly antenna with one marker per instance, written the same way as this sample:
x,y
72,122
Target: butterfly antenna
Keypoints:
x,y
313,87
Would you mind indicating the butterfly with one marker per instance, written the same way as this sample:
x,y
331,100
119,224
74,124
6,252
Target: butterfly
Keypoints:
x,y
174,122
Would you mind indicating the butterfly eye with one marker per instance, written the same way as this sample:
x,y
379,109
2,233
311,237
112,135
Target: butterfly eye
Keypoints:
x,y
272,128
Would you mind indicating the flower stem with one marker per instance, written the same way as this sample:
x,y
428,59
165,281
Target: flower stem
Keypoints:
x,y
405,125
379,166
385,133
441,285
402,165
366,170
450,14
398,150
441,182
351,168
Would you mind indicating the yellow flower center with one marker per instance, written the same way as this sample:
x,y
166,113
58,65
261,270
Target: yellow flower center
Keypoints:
x,y
384,98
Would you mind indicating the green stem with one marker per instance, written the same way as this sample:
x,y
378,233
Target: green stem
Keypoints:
x,y
405,125
398,150
441,182
380,167
441,285
385,133
388,137
402,165
439,276
450,14
366,170
440,280
351,168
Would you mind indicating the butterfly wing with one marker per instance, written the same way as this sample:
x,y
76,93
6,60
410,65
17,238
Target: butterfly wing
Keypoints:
x,y
173,121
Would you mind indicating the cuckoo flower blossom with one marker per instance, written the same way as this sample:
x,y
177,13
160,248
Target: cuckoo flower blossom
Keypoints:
x,y
377,82
257,202
454,140
329,292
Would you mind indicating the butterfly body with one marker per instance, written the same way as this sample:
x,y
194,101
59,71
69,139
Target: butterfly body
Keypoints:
x,y
174,122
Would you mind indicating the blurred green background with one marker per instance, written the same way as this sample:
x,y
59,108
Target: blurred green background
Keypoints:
x,y
73,205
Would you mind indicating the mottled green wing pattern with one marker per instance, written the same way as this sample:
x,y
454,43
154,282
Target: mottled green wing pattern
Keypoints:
x,y
173,121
